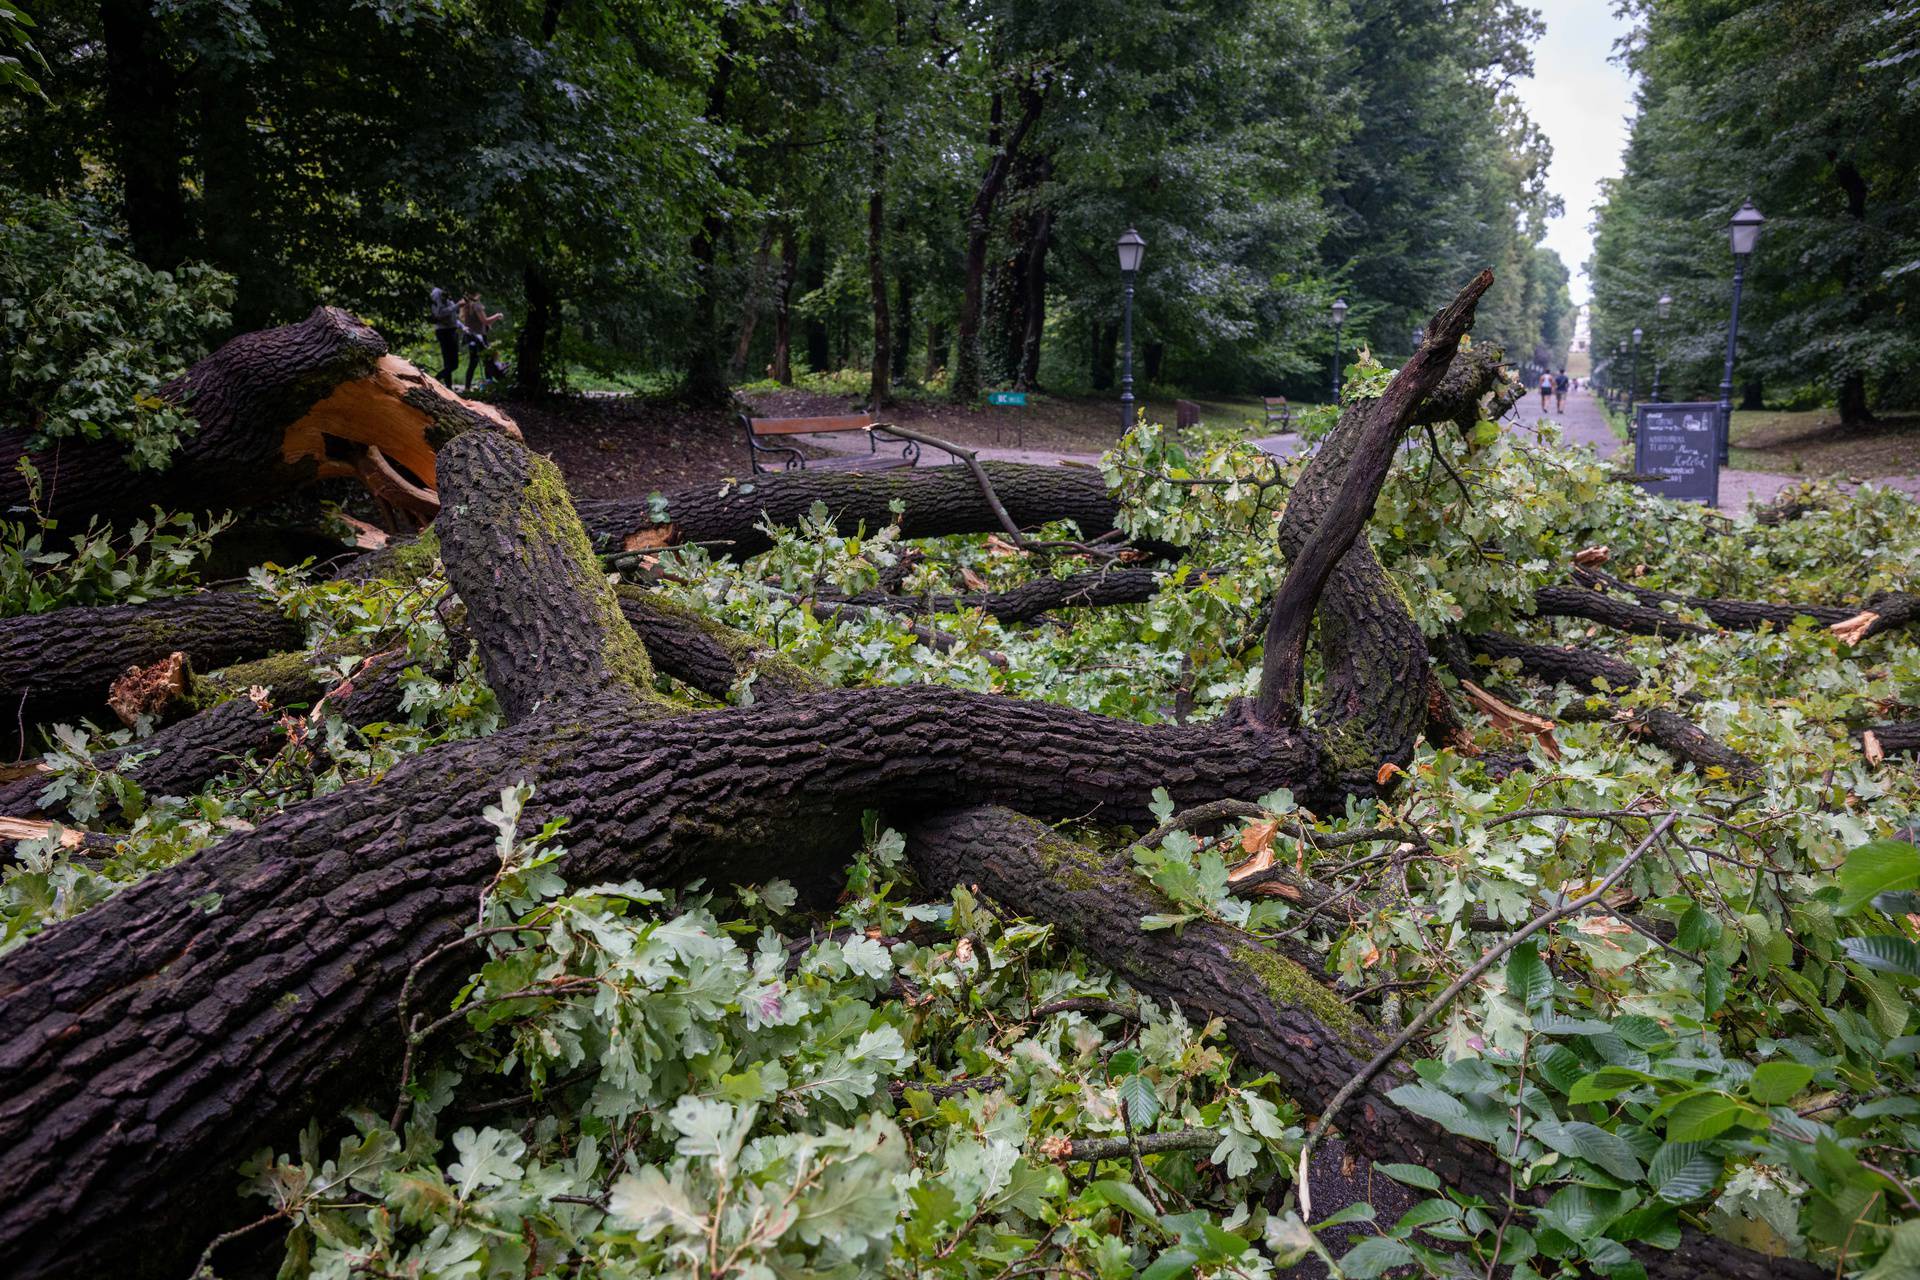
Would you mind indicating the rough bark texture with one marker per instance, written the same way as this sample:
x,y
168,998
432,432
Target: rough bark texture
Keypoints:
x,y
1030,600
156,1040
939,501
1374,701
550,628
1735,615
1897,739
707,656
1581,668
1277,1016
1622,615
253,399
60,664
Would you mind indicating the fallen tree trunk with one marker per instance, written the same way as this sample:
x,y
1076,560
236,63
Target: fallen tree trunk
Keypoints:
x,y
1611,611
219,1004
275,409
1735,615
939,501
1276,1015
60,665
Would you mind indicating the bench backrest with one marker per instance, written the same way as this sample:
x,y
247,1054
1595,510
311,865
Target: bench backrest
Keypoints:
x,y
810,426
1274,402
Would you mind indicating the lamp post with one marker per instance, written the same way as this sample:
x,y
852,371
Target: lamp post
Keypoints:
x,y
1132,249
1623,360
1419,337
1743,232
1339,324
1661,308
1633,378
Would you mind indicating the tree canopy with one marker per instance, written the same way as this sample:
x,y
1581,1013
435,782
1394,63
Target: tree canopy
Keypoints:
x,y
939,183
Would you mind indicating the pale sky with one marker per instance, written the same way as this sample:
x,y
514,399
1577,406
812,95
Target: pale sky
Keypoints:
x,y
1582,102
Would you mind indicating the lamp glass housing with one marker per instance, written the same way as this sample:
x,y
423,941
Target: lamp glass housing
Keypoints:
x,y
1665,304
1339,311
1132,248
1636,337
1743,229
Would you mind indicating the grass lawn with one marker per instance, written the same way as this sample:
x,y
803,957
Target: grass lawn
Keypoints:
x,y
1812,442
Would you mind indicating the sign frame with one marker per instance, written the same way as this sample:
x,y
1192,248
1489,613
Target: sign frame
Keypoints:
x,y
1686,430
1013,399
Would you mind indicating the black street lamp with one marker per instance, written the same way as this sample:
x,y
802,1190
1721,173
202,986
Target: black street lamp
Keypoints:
x,y
1339,324
1661,309
1633,378
1419,337
1743,232
1132,249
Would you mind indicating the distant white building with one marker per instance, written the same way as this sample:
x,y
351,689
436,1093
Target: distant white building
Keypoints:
x,y
1580,334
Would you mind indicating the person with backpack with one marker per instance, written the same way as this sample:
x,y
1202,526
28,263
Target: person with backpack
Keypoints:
x,y
475,320
446,327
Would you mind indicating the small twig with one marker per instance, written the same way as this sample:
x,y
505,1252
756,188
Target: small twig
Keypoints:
x,y
1147,1144
1480,966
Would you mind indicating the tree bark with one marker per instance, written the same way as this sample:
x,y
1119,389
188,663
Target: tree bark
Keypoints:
x,y
750,306
1277,1016
143,119
965,385
59,665
275,410
903,325
939,500
879,389
540,333
780,369
819,355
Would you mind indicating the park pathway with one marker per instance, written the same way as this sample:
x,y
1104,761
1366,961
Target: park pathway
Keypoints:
x,y
1581,423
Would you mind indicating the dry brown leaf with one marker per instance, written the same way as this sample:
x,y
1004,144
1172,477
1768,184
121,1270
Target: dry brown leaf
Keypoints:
x,y
999,546
1258,837
1387,770
1870,743
1592,555
973,580
963,952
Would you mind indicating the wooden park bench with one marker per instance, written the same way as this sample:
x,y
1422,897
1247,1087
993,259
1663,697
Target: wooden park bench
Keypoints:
x,y
1278,410
760,429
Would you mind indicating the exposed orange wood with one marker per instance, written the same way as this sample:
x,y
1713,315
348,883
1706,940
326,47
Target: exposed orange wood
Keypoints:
x,y
374,411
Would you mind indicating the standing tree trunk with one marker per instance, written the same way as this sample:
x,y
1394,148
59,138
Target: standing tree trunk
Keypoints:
x,y
936,350
1034,305
1854,410
965,385
539,335
819,355
1106,347
750,308
780,368
879,389
143,118
902,325
706,381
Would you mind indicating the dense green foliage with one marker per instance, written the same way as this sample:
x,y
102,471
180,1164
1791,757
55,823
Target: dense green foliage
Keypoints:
x,y
725,1081
714,190
1812,110
88,334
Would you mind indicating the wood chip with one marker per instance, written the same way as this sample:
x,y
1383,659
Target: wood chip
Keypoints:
x,y
35,828
1870,743
1592,555
1853,630
659,535
1508,718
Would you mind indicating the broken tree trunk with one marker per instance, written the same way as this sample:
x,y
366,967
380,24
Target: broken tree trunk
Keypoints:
x,y
276,409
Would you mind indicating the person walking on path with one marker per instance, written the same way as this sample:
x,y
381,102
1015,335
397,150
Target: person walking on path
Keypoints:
x,y
1560,384
446,327
1546,389
475,320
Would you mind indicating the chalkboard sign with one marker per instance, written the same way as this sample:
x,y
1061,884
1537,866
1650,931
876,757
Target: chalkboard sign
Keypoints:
x,y
1016,398
1681,444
